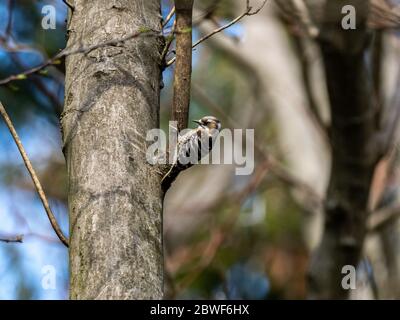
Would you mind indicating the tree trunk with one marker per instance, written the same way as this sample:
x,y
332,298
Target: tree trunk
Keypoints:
x,y
115,198
354,154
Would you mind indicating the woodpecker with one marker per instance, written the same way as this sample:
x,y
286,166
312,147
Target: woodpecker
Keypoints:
x,y
195,144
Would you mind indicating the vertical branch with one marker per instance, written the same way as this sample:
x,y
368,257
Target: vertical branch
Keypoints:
x,y
302,47
354,154
33,175
183,68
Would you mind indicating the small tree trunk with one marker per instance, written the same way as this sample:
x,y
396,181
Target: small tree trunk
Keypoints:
x,y
354,155
115,199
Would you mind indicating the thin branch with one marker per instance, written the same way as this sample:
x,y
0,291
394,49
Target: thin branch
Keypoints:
x,y
16,239
306,61
69,5
80,49
382,218
40,85
303,44
305,18
33,175
168,44
249,12
383,16
169,17
208,13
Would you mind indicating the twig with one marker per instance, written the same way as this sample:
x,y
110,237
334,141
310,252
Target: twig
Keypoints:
x,y
168,44
37,81
305,19
303,47
377,220
69,5
33,175
248,12
383,16
81,49
208,13
169,17
15,239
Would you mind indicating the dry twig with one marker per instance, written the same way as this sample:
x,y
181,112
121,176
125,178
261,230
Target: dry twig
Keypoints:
x,y
249,12
33,175
76,50
16,239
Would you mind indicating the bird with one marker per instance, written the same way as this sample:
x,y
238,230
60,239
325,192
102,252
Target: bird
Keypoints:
x,y
194,145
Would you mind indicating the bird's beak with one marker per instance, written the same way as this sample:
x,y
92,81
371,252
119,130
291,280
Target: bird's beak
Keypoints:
x,y
197,121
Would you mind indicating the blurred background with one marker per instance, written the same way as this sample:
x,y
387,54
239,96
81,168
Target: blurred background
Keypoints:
x,y
237,237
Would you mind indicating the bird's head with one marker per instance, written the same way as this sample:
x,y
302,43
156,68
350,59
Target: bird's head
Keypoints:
x,y
209,122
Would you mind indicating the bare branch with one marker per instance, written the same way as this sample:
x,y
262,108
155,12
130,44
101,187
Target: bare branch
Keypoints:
x,y
68,5
40,85
383,16
168,44
207,14
305,18
248,12
169,17
16,239
382,217
303,46
33,175
76,50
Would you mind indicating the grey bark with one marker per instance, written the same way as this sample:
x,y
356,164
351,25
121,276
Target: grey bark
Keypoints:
x,y
115,198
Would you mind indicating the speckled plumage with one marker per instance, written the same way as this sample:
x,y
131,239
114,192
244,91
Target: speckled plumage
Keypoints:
x,y
195,144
